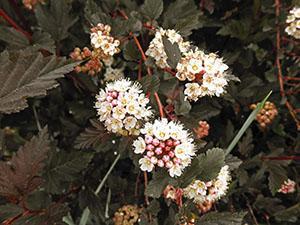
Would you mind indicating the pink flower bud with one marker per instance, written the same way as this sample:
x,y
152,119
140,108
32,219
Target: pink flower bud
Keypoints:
x,y
109,98
148,139
162,144
166,158
114,102
169,142
160,163
171,154
158,150
150,154
155,142
168,148
177,160
176,143
169,164
150,147
114,94
153,160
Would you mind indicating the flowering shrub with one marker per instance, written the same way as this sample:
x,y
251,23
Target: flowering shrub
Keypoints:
x,y
149,112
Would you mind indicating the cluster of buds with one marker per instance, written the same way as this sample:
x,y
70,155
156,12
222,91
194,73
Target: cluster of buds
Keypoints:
x,y
92,66
204,207
293,21
287,187
202,130
123,107
266,115
170,110
127,215
30,4
103,41
166,145
205,193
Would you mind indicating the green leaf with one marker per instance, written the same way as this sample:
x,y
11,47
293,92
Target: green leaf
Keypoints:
x,y
221,218
16,40
172,51
182,106
185,25
245,145
236,29
92,136
9,210
63,168
55,19
206,166
38,200
233,162
245,126
158,184
130,52
290,214
21,175
150,83
27,73
277,175
152,8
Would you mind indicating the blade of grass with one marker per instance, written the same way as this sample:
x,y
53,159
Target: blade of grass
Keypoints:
x,y
86,213
248,122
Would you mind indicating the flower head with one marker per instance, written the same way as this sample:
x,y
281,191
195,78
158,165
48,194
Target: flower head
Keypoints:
x,y
207,74
164,144
112,104
201,192
102,40
293,22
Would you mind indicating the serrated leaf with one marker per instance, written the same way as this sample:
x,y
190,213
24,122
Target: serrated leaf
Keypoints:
x,y
92,136
55,19
150,83
277,175
27,73
245,144
130,52
233,162
22,174
236,29
221,218
182,106
289,214
158,183
206,166
185,25
152,8
16,40
9,211
63,168
172,51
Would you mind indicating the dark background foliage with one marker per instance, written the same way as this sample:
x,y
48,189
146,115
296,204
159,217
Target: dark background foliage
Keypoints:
x,y
57,170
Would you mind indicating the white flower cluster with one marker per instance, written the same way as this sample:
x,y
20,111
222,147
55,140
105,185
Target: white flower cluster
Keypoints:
x,y
164,144
207,74
123,107
293,21
211,191
288,187
112,74
102,40
156,48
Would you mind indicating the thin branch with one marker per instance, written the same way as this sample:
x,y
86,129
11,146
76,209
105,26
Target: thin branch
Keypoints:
x,y
14,24
146,184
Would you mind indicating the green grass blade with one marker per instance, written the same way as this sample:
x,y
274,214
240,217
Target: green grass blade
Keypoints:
x,y
245,126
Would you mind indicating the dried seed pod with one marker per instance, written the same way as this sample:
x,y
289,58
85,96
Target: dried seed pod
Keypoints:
x,y
202,130
266,115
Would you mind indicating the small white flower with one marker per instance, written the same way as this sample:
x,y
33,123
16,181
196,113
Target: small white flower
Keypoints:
x,y
146,164
175,170
139,146
293,23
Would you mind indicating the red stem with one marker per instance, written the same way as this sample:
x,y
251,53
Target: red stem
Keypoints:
x,y
14,25
160,106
